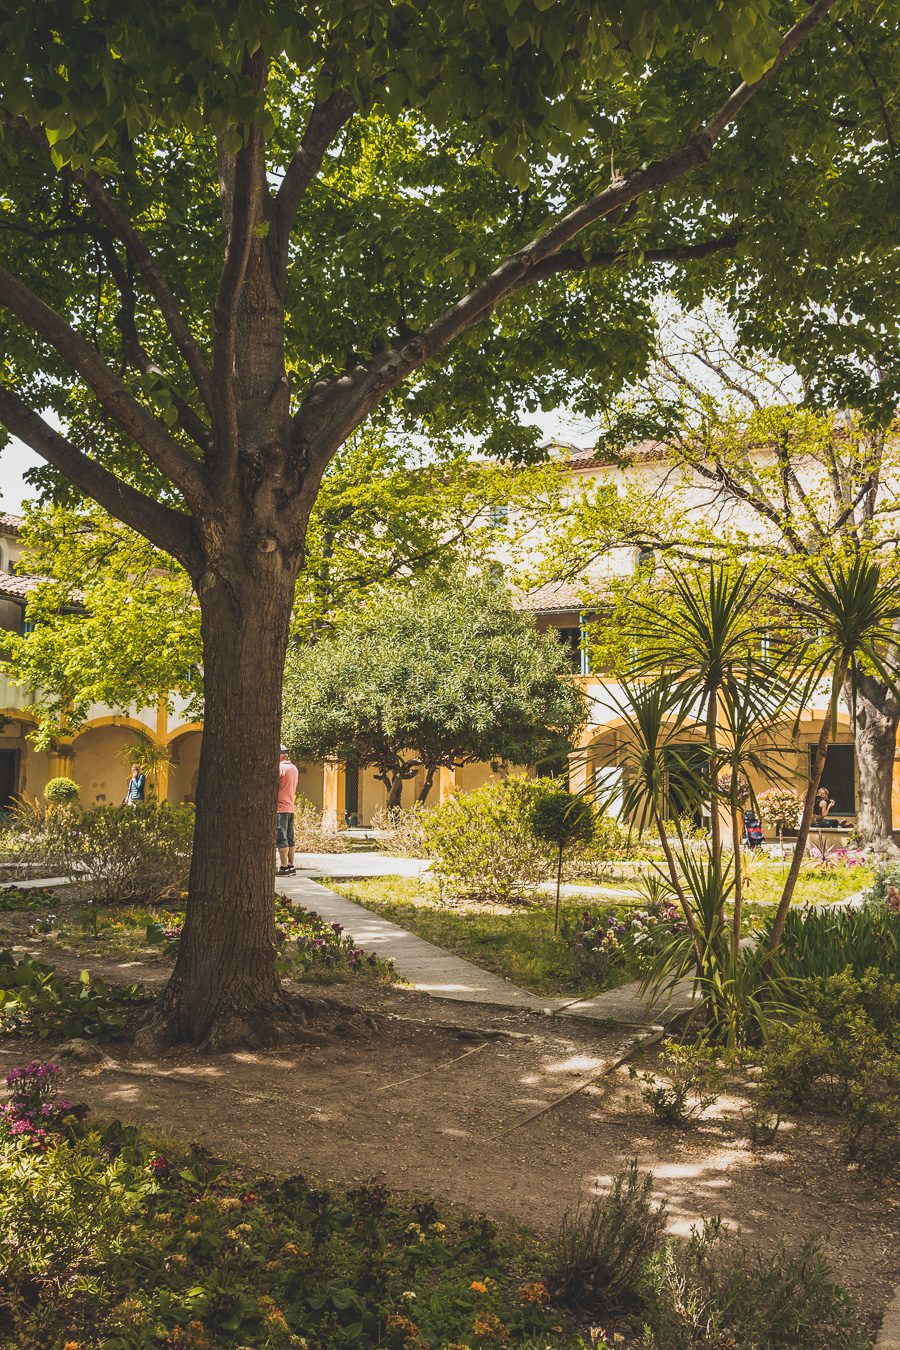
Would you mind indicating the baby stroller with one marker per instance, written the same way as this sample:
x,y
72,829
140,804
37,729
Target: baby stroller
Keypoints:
x,y
753,834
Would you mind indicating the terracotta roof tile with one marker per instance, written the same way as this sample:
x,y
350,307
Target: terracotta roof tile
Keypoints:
x,y
17,586
10,525
552,597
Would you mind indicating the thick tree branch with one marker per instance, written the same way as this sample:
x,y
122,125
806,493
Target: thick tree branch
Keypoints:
x,y
168,529
114,397
141,257
134,350
335,407
325,121
242,188
149,271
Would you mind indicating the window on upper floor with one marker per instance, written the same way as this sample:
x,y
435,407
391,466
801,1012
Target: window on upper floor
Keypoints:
x,y
499,515
574,639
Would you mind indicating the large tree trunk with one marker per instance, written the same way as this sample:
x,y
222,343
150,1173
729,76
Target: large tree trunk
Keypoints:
x,y
875,736
224,990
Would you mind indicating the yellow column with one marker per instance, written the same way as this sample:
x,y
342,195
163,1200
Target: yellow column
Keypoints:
x,y
61,761
579,769
333,794
161,776
446,784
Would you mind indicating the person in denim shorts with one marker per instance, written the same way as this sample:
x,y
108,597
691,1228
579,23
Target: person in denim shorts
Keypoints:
x,y
284,818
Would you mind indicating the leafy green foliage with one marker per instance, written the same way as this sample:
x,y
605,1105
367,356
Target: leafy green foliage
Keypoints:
x,y
124,852
61,790
113,621
841,1054
685,1080
826,942
198,1251
36,1001
444,674
601,1250
561,819
482,844
711,1291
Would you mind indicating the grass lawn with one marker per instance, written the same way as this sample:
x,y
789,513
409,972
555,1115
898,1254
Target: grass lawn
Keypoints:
x,y
816,885
516,943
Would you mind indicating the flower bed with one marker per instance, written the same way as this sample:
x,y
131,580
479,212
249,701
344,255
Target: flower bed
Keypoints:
x,y
310,947
104,1241
31,897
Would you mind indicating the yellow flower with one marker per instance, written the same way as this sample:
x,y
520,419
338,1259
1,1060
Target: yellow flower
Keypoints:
x,y
535,1293
478,1287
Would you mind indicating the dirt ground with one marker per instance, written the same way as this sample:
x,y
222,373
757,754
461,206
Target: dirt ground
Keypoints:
x,y
437,1102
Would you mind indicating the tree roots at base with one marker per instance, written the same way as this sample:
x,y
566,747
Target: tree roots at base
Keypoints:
x,y
285,1019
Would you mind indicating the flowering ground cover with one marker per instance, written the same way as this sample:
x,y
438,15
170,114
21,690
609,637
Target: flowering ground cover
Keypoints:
x,y
105,1241
309,948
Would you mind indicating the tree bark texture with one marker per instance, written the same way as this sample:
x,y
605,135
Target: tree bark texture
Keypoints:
x,y
224,989
875,735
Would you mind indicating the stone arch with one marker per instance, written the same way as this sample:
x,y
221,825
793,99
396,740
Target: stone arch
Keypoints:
x,y
184,752
97,763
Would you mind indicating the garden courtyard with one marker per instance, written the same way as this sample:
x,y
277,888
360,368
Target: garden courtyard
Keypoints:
x,y
449,675
508,1089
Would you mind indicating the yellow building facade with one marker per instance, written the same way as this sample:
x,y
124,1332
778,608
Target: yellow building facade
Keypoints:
x,y
96,757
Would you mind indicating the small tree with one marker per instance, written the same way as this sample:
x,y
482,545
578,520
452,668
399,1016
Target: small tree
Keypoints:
x,y
61,791
561,819
440,675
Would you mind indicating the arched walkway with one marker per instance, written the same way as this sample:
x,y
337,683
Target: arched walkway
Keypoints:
x,y
184,751
99,760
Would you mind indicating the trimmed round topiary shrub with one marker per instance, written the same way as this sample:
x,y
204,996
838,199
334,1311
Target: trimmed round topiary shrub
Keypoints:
x,y
563,820
60,790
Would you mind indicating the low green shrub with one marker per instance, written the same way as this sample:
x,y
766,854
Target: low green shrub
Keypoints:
x,y
819,943
841,1055
685,1081
60,790
600,1251
127,853
482,844
710,1293
36,1001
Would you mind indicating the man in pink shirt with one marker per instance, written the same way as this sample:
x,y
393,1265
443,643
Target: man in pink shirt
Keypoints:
x,y
284,819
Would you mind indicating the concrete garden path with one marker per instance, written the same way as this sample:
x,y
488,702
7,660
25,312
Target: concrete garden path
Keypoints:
x,y
437,972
